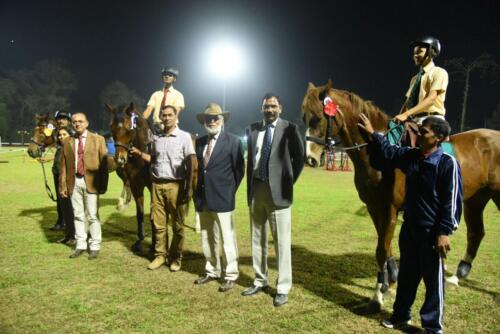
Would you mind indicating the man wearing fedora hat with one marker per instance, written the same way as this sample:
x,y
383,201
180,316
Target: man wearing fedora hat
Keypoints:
x,y
167,96
221,169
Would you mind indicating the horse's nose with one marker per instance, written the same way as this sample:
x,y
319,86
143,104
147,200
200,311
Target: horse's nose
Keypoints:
x,y
312,162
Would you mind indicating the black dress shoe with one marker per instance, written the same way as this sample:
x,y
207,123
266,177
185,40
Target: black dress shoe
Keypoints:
x,y
252,290
280,299
204,280
77,253
93,254
227,285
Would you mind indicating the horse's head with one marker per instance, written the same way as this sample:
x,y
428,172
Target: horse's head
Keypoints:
x,y
124,120
44,135
344,119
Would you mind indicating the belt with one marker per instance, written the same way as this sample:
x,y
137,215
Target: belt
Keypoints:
x,y
165,181
78,176
424,114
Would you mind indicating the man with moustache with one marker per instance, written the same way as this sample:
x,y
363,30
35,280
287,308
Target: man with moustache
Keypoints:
x,y
275,161
83,177
171,155
221,169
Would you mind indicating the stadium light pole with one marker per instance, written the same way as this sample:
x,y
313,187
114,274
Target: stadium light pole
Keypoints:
x,y
226,62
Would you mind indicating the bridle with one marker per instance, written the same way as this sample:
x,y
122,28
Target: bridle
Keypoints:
x,y
331,111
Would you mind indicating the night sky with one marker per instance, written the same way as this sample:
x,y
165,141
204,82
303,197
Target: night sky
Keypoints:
x,y
362,47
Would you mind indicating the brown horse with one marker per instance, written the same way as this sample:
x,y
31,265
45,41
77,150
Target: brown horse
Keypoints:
x,y
44,136
478,152
129,130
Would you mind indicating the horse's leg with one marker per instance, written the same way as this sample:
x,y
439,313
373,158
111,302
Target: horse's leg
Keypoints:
x,y
139,210
473,215
385,222
125,197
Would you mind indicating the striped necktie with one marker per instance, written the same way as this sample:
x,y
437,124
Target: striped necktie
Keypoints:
x,y
208,152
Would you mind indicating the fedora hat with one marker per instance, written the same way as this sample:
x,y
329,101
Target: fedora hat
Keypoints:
x,y
212,109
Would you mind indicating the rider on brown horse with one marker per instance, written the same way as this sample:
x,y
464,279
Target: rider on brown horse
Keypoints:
x,y
426,94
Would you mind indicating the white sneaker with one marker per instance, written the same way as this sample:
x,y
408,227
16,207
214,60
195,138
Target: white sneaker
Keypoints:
x,y
391,323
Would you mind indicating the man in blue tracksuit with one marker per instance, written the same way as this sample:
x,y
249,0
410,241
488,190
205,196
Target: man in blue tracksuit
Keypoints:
x,y
432,209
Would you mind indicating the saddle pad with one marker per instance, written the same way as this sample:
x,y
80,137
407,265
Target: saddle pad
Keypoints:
x,y
448,148
395,133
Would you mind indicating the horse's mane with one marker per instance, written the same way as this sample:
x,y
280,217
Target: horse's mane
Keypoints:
x,y
378,118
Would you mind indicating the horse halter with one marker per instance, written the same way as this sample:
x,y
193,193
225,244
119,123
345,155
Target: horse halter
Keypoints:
x,y
48,131
132,130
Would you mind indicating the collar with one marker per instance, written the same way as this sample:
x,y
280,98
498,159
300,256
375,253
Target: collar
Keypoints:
x,y
273,124
84,134
427,68
174,133
434,157
170,89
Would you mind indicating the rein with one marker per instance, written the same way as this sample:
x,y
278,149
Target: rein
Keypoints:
x,y
47,187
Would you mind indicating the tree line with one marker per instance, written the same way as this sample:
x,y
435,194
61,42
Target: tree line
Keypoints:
x,y
46,87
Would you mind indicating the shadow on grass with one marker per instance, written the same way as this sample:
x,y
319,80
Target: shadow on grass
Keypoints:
x,y
331,277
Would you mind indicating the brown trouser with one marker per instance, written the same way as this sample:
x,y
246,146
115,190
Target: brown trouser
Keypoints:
x,y
164,204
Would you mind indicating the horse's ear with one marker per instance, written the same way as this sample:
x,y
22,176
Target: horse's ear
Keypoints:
x,y
130,108
310,86
329,84
109,108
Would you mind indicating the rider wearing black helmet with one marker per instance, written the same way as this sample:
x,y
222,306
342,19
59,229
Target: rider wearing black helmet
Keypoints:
x,y
426,94
63,119
168,95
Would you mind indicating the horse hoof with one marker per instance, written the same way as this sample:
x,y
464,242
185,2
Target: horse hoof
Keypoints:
x,y
451,282
463,269
137,247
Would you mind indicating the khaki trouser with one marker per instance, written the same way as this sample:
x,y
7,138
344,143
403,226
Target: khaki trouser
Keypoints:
x,y
86,205
164,204
264,213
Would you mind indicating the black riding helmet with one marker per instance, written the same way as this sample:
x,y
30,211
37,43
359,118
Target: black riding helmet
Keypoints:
x,y
430,42
62,114
170,70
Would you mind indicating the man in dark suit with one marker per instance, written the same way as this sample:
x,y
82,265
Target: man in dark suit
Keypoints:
x,y
220,169
275,161
83,177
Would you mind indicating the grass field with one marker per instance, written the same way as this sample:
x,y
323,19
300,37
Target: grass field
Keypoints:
x,y
334,270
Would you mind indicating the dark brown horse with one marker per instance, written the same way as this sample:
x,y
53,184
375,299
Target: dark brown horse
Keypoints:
x,y
478,152
129,130
44,136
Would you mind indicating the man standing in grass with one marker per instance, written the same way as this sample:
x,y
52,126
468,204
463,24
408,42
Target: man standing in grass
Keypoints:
x,y
84,176
433,205
172,166
221,167
275,161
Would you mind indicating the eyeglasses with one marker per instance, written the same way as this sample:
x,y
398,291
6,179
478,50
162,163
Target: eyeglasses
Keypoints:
x,y
209,119
168,75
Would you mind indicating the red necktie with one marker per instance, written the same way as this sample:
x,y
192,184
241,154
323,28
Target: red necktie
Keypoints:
x,y
163,101
80,169
208,152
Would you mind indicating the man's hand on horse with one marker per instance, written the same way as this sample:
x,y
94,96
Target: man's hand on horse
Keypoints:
x,y
443,245
401,117
365,124
135,151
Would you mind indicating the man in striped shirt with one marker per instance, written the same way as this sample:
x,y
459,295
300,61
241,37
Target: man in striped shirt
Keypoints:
x,y
432,209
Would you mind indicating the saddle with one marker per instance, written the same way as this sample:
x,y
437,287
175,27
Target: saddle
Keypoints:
x,y
403,134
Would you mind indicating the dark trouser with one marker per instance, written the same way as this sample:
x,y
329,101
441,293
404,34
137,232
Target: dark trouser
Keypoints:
x,y
420,260
64,211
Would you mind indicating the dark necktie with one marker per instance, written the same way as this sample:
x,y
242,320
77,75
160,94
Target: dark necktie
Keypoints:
x,y
80,168
208,152
163,101
415,90
264,154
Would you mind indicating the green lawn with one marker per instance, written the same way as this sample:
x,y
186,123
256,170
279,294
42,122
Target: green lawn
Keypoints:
x,y
43,291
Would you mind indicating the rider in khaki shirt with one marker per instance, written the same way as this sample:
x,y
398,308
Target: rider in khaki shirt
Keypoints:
x,y
168,95
426,99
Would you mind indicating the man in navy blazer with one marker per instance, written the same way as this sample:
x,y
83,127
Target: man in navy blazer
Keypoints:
x,y
220,168
275,161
